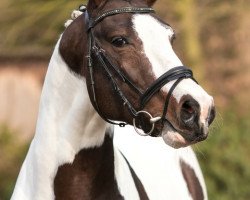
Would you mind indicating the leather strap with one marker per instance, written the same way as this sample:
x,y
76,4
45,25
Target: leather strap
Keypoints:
x,y
95,21
172,74
105,62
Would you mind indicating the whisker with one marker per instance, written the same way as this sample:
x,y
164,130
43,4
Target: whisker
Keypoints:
x,y
216,125
199,151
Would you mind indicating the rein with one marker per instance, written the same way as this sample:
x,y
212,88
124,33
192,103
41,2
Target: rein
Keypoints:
x,y
176,73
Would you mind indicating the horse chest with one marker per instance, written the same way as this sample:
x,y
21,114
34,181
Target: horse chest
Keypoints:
x,y
90,176
165,173
104,173
98,173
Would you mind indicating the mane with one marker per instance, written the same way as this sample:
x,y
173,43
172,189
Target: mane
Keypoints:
x,y
74,15
77,13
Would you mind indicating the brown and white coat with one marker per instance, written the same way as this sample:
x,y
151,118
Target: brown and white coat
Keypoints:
x,y
74,153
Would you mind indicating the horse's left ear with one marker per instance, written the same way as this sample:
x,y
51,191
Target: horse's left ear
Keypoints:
x,y
150,2
93,4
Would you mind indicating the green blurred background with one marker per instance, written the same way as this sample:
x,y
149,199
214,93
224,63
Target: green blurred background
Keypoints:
x,y
213,37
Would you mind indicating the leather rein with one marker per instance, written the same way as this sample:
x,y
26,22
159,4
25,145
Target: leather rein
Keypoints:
x,y
94,49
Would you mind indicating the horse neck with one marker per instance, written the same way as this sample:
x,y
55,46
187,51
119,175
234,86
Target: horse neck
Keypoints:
x,y
65,108
66,123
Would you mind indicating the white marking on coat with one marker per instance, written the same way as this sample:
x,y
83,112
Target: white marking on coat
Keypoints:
x,y
124,178
67,123
156,164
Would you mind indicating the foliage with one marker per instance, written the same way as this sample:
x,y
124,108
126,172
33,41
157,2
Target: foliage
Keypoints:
x,y
12,154
30,28
225,160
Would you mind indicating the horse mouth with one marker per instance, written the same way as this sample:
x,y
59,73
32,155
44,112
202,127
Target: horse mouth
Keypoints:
x,y
173,135
177,138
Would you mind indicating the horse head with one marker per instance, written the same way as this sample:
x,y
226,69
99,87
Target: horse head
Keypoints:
x,y
133,74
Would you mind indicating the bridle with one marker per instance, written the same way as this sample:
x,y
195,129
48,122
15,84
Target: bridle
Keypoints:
x,y
177,73
94,49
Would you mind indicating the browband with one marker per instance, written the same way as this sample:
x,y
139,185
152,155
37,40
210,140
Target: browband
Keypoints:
x,y
96,20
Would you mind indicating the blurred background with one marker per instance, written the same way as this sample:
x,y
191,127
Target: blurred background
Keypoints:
x,y
213,38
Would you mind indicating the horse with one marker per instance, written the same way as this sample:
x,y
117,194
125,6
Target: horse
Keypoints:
x,y
113,66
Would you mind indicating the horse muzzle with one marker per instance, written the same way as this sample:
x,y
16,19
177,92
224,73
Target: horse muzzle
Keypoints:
x,y
186,122
190,124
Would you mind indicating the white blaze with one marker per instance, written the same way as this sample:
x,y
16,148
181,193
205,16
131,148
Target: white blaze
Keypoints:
x,y
156,37
156,43
157,47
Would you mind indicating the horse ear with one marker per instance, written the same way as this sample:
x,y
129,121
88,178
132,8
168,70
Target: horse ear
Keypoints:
x,y
150,2
93,4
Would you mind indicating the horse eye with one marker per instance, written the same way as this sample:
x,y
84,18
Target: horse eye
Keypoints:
x,y
119,41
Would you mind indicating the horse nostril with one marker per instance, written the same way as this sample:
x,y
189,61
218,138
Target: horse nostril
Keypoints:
x,y
189,112
211,115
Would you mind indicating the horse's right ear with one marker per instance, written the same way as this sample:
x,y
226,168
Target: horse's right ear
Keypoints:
x,y
93,4
150,2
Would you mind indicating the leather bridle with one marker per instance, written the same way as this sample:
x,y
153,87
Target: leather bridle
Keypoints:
x,y
94,49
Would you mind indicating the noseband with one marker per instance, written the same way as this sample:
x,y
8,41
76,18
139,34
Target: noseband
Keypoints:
x,y
94,49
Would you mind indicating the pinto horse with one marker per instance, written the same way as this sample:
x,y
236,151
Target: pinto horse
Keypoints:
x,y
115,64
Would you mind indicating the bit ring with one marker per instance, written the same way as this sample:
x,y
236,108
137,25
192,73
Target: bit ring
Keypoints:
x,y
153,123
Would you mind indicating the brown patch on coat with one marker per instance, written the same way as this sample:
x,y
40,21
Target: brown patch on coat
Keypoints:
x,y
193,184
90,177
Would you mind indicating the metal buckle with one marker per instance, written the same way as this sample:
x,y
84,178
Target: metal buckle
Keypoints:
x,y
152,121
